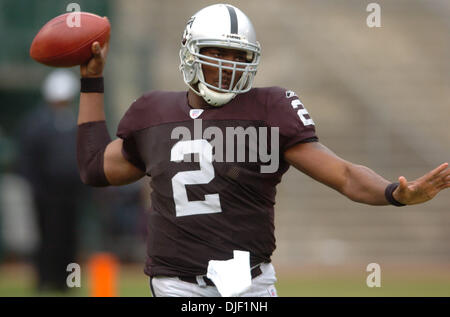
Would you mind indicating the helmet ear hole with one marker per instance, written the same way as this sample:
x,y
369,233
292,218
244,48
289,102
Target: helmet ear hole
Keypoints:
x,y
250,56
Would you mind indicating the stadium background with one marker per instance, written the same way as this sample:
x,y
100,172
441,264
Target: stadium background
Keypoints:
x,y
379,97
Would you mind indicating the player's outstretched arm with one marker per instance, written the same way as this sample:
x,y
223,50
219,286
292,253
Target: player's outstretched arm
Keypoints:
x,y
360,183
100,160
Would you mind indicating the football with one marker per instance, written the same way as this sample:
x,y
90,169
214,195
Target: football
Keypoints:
x,y
66,40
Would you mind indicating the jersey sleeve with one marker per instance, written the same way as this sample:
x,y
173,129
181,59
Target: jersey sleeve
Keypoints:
x,y
127,132
286,112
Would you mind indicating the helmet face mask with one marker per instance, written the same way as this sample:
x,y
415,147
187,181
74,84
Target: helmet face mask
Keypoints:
x,y
210,28
244,71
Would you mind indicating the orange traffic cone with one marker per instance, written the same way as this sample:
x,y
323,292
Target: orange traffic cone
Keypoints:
x,y
103,269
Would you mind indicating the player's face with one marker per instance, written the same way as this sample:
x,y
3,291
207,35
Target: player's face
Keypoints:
x,y
211,73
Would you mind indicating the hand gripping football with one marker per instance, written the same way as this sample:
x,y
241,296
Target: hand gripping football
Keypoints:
x,y
66,40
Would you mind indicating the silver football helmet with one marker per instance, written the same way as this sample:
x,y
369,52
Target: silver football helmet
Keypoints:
x,y
224,26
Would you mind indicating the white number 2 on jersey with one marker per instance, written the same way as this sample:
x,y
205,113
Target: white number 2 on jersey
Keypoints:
x,y
302,112
204,175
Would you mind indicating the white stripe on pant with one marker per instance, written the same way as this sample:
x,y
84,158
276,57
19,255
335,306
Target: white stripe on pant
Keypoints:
x,y
262,286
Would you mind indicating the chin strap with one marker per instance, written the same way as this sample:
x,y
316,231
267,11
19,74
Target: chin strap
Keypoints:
x,y
213,98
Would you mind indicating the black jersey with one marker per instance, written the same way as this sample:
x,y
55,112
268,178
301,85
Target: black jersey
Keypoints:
x,y
213,188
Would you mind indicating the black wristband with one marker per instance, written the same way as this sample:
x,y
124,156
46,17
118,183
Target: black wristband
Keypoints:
x,y
92,84
388,194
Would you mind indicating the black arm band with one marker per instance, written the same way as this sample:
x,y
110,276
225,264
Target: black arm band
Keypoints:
x,y
388,194
92,139
92,84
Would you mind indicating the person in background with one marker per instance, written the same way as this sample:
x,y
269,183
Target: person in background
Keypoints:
x,y
47,141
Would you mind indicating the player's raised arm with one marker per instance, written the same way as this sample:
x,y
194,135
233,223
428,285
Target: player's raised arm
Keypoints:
x,y
100,161
361,184
92,96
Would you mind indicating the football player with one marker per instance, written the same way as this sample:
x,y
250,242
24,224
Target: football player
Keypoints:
x,y
209,199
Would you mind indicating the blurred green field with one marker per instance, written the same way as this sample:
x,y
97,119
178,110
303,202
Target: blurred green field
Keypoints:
x,y
17,281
